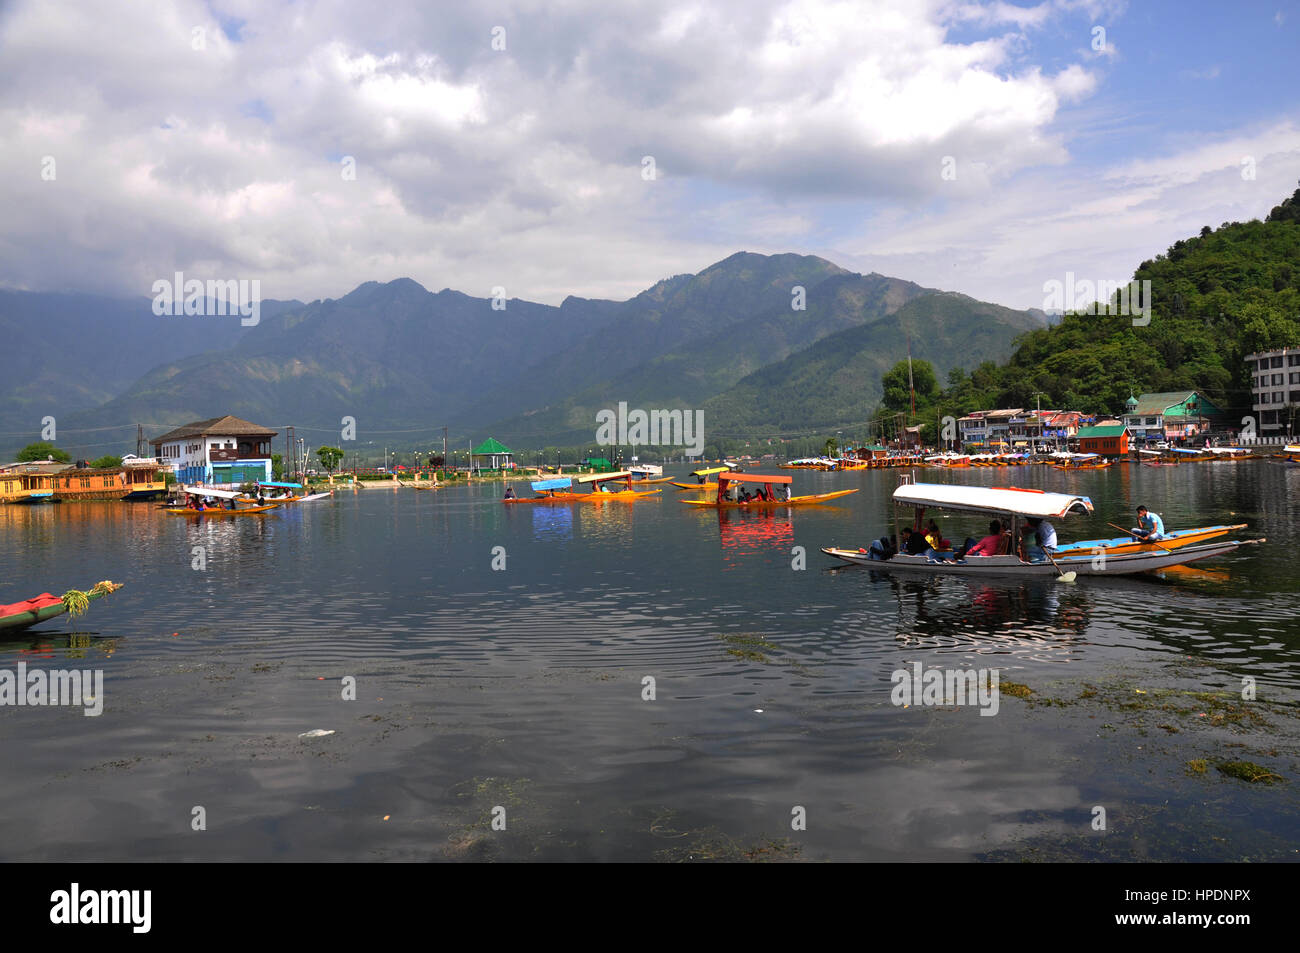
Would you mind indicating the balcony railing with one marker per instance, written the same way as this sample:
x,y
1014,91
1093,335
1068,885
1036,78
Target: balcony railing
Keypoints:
x,y
223,455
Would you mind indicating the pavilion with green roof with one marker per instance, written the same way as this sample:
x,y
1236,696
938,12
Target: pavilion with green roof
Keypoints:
x,y
497,456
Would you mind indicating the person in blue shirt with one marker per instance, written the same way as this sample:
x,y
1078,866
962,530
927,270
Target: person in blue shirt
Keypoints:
x,y
1150,525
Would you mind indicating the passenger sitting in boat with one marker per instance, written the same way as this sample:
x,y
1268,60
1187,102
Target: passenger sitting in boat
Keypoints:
x,y
1150,525
232,504
1038,540
510,493
882,549
990,545
937,548
785,493
914,543
760,495
745,496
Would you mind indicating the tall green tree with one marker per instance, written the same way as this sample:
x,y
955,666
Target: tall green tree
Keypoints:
x,y
329,457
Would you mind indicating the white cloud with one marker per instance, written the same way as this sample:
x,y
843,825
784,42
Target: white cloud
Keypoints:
x,y
476,168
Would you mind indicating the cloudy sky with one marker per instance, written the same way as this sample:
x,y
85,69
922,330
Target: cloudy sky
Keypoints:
x,y
593,148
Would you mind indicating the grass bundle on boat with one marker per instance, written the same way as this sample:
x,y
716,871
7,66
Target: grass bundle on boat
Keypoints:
x,y
77,602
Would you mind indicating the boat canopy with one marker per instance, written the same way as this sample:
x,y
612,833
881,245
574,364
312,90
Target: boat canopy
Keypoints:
x,y
983,499
1190,453
753,478
208,491
559,483
599,477
709,471
286,486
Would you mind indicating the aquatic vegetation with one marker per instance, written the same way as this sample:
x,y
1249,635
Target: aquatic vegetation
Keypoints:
x,y
1248,771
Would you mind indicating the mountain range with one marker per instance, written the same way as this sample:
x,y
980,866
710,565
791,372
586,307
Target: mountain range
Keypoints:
x,y
765,344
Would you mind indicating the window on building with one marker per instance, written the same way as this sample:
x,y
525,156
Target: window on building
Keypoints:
x,y
1277,397
1263,398
1295,377
1293,360
1277,361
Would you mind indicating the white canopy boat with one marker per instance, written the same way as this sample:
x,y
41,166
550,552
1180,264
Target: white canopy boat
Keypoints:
x,y
1013,505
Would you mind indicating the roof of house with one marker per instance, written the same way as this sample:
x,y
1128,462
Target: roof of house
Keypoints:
x,y
1152,404
1110,431
226,426
491,445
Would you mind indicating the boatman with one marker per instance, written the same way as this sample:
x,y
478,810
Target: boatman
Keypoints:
x,y
1150,525
510,493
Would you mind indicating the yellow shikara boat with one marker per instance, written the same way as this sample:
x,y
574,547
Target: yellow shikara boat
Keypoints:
x,y
704,472
767,480
599,495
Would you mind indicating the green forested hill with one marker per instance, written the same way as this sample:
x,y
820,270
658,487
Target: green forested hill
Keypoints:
x,y
836,382
1216,297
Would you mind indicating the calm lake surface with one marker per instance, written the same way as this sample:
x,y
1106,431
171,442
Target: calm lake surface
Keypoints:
x,y
517,693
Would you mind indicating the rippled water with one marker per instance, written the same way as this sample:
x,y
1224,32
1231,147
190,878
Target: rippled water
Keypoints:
x,y
522,688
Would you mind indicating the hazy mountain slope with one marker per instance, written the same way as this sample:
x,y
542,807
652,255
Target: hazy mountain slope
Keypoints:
x,y
689,375
837,380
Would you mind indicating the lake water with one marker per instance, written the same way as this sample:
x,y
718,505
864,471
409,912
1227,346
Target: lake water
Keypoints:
x,y
517,695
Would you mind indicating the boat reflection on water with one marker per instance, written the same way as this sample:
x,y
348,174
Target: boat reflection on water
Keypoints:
x,y
746,533
51,644
552,522
1032,618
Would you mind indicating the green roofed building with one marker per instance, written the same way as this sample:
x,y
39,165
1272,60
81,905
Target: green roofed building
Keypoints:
x,y
1171,415
598,464
491,454
1108,441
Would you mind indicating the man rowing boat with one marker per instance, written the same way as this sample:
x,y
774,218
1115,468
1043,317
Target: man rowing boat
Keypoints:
x,y
1150,525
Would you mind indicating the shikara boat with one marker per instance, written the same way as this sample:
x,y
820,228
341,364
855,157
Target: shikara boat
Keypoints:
x,y
707,484
1014,505
648,473
949,460
1128,544
727,479
1153,458
28,612
216,510
555,490
1081,461
600,493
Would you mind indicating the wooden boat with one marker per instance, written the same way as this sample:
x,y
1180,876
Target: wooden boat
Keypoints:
x,y
216,510
1127,544
1153,458
648,473
556,490
1015,504
28,612
1080,461
948,460
727,479
706,472
600,494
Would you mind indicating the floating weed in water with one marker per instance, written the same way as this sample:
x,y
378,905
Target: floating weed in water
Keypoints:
x,y
1248,771
748,646
1196,766
1016,689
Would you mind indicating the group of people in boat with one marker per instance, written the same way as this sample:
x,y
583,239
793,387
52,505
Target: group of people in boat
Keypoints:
x,y
1037,541
207,503
738,493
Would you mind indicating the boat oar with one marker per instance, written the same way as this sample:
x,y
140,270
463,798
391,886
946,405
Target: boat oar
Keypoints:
x,y
1064,576
1137,537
